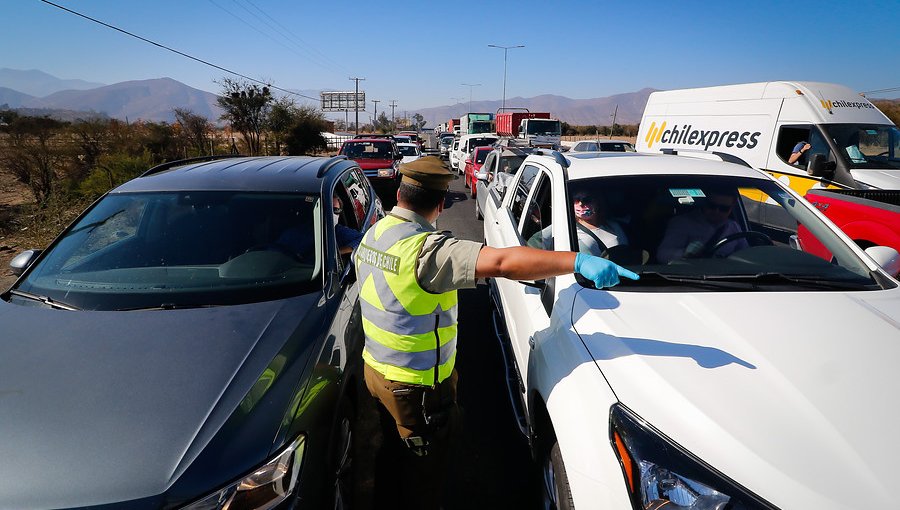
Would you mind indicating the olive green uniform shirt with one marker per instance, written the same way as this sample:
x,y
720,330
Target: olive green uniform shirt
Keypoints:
x,y
445,262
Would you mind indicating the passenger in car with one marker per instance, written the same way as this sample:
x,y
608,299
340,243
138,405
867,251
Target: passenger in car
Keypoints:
x,y
596,232
695,233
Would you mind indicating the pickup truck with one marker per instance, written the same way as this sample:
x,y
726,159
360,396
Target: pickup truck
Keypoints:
x,y
869,217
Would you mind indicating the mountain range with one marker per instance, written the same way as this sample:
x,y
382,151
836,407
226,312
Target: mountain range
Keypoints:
x,y
154,100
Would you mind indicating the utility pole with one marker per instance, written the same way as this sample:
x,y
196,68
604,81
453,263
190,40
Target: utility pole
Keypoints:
x,y
356,101
393,105
614,122
505,49
470,85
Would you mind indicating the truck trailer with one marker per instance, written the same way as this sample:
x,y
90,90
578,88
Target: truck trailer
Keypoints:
x,y
536,128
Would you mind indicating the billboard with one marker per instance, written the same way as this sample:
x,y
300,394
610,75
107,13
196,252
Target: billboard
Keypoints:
x,y
343,101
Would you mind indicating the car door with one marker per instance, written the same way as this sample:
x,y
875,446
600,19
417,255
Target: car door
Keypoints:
x,y
527,218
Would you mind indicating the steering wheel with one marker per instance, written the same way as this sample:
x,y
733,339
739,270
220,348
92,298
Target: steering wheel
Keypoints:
x,y
730,238
278,248
885,153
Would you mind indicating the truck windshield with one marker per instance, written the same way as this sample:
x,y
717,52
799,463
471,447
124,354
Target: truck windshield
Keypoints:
x,y
543,127
479,127
867,145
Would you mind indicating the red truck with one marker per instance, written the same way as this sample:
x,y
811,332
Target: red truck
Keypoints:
x,y
870,217
537,128
453,126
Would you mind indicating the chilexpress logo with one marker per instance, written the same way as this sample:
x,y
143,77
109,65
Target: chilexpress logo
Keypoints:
x,y
687,135
829,105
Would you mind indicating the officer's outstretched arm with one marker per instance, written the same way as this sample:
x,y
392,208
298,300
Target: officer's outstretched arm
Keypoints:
x,y
524,263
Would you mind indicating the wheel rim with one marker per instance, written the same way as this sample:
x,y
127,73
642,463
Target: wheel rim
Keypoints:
x,y
551,497
342,472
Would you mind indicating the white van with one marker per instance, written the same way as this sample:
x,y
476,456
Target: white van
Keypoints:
x,y
852,144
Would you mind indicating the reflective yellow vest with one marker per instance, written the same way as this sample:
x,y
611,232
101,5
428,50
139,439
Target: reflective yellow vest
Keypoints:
x,y
409,331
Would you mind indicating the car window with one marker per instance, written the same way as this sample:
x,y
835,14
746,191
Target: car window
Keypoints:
x,y
535,228
488,165
136,250
523,187
681,230
358,193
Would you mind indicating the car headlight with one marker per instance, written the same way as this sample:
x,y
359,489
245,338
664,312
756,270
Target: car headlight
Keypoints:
x,y
264,488
661,474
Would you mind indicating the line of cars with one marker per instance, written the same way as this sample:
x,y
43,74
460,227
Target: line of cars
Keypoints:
x,y
380,157
748,374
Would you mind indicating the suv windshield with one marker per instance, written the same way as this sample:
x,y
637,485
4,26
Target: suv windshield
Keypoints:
x,y
709,232
409,150
367,150
184,249
866,146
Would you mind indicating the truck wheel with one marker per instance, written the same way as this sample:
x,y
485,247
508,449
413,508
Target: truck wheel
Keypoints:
x,y
555,491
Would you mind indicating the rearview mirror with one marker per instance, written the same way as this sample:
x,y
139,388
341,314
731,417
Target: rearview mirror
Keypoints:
x,y
819,166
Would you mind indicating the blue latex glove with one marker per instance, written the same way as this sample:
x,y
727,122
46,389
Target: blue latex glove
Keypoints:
x,y
601,271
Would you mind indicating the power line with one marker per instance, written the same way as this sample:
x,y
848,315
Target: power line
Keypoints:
x,y
173,50
893,89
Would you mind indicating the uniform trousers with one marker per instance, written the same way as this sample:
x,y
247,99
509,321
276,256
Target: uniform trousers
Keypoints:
x,y
403,479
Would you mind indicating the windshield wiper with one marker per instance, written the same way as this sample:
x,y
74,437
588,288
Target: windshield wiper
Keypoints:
x,y
657,278
816,281
44,299
165,306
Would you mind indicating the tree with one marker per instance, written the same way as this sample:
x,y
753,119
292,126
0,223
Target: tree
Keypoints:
x,y
282,117
34,153
246,106
383,124
194,130
419,121
305,133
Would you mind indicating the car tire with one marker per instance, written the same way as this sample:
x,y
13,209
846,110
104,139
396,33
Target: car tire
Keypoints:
x,y
342,447
555,491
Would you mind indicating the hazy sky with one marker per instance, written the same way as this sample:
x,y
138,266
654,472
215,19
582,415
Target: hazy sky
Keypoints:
x,y
421,52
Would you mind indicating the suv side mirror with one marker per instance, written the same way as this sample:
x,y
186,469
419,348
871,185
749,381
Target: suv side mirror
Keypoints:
x,y
398,156
818,166
20,263
886,257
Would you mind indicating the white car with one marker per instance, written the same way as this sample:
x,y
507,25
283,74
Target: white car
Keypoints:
x,y
750,375
454,154
466,144
603,146
498,169
410,152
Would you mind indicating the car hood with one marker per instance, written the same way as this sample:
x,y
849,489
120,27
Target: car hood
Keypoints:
x,y
99,407
374,164
786,393
882,179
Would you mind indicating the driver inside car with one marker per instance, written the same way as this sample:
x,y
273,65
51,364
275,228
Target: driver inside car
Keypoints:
x,y
696,233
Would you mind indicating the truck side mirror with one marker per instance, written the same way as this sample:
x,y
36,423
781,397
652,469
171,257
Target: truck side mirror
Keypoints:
x,y
819,166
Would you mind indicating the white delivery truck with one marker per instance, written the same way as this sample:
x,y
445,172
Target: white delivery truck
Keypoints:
x,y
852,144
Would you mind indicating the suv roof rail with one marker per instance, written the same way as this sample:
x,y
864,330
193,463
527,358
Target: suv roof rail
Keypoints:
x,y
556,155
724,156
330,163
180,162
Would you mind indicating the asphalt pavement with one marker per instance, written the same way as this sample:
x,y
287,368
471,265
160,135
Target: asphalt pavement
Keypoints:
x,y
492,466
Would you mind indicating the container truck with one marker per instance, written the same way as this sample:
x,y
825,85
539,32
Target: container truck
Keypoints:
x,y
476,123
536,128
453,126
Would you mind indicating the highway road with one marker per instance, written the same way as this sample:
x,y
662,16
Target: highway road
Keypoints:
x,y
492,467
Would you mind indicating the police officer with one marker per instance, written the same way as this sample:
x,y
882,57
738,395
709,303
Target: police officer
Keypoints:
x,y
408,275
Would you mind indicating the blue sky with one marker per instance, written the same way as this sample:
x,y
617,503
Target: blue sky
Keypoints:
x,y
420,53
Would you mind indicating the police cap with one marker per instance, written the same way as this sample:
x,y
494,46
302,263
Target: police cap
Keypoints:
x,y
427,172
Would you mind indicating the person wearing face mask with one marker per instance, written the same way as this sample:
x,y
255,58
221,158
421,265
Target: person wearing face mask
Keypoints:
x,y
408,274
596,232
695,234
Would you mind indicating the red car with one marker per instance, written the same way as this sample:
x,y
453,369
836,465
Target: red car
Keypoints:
x,y
868,217
379,159
473,165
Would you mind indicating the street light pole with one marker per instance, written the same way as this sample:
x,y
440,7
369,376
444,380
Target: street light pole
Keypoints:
x,y
470,85
376,101
505,50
